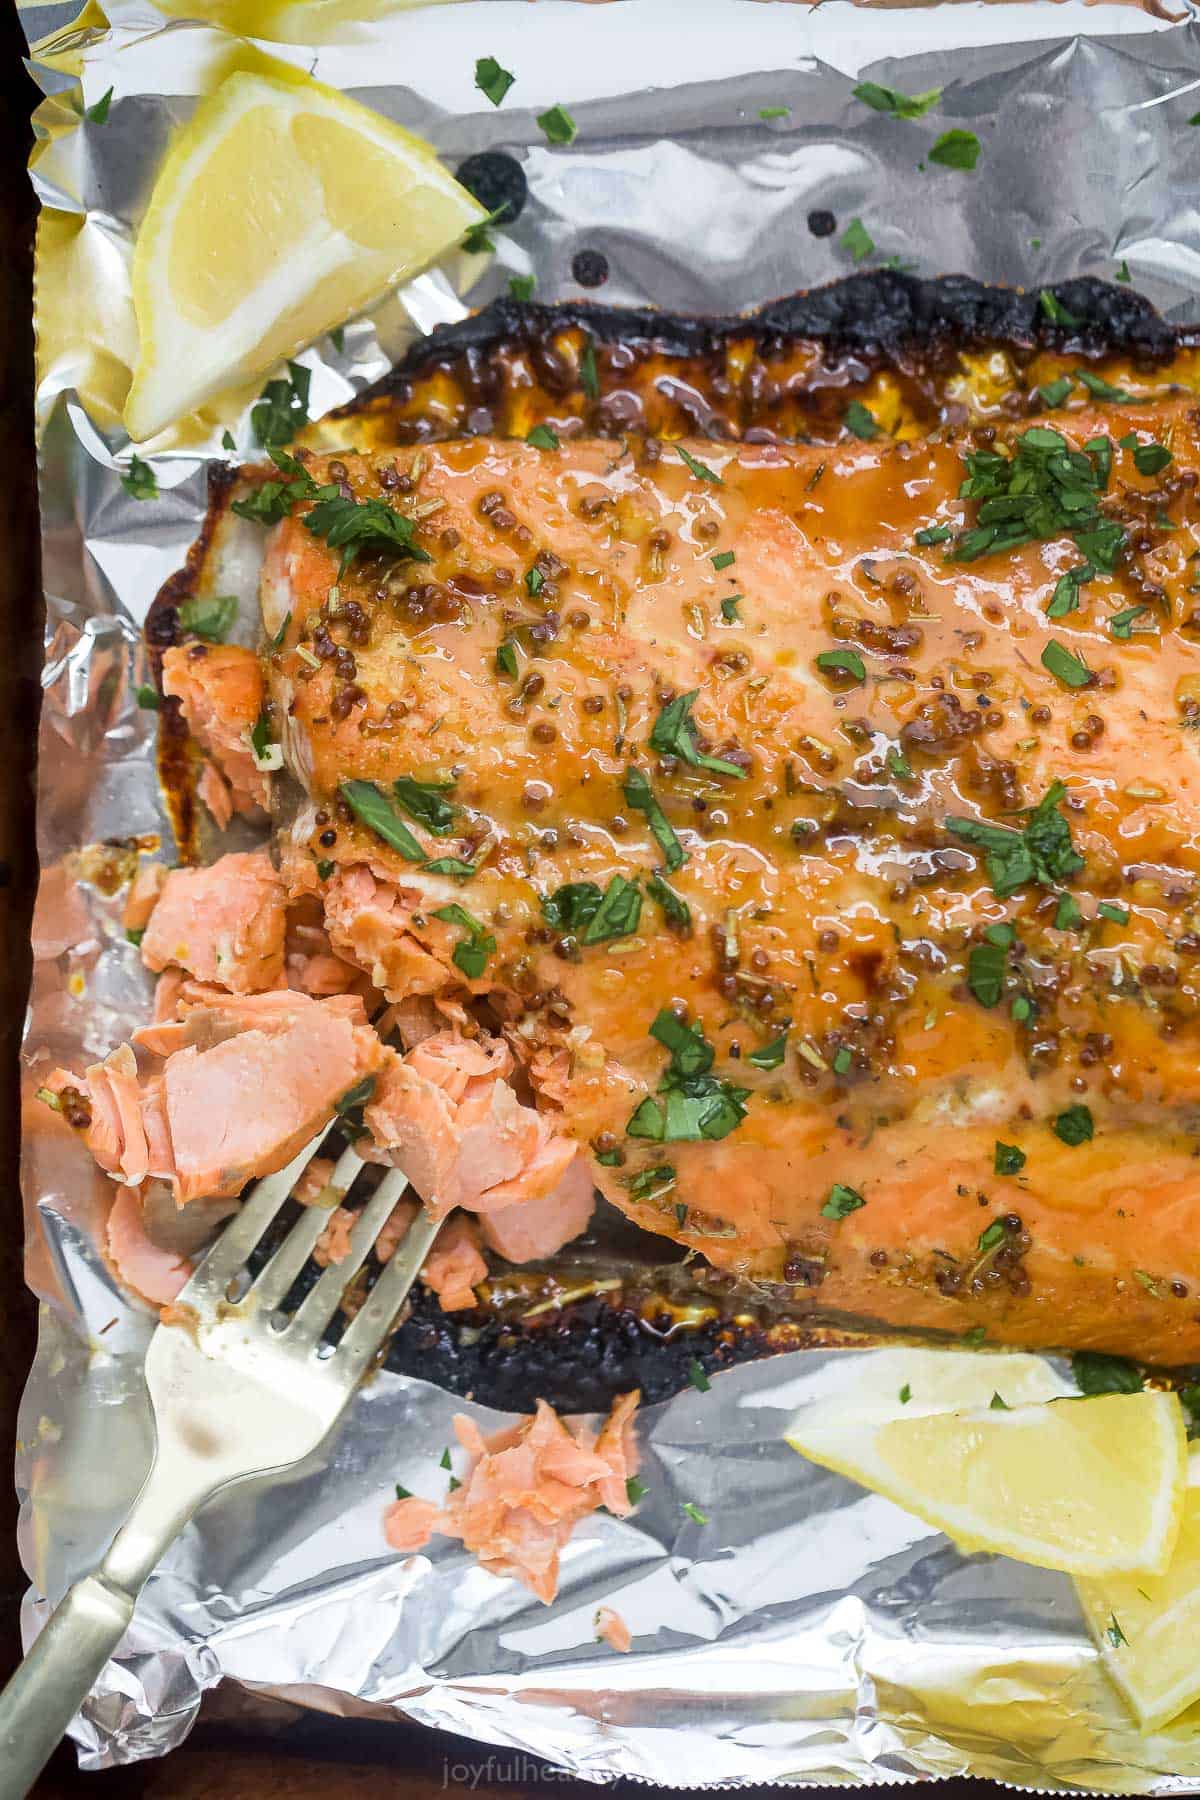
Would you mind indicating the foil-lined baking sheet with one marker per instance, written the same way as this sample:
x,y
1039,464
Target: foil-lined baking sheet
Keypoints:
x,y
808,1631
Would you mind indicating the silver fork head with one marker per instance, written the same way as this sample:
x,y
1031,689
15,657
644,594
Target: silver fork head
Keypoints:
x,y
240,1326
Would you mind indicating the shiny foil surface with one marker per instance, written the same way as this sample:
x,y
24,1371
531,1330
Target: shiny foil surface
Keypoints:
x,y
809,1631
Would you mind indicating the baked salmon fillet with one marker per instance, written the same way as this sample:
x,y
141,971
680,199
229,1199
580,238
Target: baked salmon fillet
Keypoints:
x,y
816,825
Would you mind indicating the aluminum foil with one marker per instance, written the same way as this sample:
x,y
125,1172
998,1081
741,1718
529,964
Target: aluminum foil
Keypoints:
x,y
808,1632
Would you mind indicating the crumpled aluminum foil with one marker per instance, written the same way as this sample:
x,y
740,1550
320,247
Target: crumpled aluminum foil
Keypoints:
x,y
809,1632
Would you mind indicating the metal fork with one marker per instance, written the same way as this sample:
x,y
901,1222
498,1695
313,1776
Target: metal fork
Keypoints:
x,y
236,1391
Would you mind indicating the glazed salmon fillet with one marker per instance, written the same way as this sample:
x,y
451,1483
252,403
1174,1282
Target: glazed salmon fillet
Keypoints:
x,y
822,840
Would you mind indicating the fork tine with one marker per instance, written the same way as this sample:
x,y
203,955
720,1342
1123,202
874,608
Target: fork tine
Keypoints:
x,y
366,1331
230,1251
278,1274
314,1313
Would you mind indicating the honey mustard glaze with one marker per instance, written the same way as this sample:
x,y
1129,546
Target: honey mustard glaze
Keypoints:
x,y
878,802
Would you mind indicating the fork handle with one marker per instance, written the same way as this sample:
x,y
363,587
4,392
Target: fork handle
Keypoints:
x,y
51,1684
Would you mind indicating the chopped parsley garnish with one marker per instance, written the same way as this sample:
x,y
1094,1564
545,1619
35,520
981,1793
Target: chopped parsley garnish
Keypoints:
x,y
1101,389
97,113
596,916
991,1237
492,80
445,1462
542,438
635,1490
1122,273
139,480
147,697
209,618
1113,1632
841,1201
1007,1159
905,1394
842,1061
470,954
843,662
325,870
652,1181
975,1336
276,642
1097,1373
675,909
857,241
227,442
640,795
933,534
766,113
674,735
721,560
558,125
349,1107
956,150
985,973
521,286
1067,914
281,410
861,422
696,1104
370,804
589,378
337,338
697,1376
506,659
1148,459
477,238
1003,935
1064,665
1119,915
1065,598
452,865
890,100
998,1403
425,801
1074,1126
700,470
1055,311
535,581
1021,1009
1055,393
134,934
267,754
1040,851
402,1493
1043,489
898,764
729,609
362,528
694,1512
772,1055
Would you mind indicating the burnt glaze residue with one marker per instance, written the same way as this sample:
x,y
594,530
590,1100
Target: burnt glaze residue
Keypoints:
x,y
784,372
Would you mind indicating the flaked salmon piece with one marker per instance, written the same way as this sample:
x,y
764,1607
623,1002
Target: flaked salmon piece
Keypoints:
x,y
216,793
167,990
612,1630
395,1229
155,1274
269,1077
143,894
309,961
333,1245
369,924
220,688
445,1114
532,1229
313,1187
525,1491
223,924
455,1267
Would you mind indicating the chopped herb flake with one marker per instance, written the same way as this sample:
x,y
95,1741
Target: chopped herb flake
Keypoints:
x,y
697,1376
492,80
542,438
1055,311
905,1394
1074,1126
861,422
694,1512
209,618
1119,915
1065,666
933,534
362,528
890,100
1041,851
640,796
674,735
506,659
1101,389
281,410
521,286
139,480
985,973
370,804
147,697
558,125
589,378
841,1201
998,1404
1097,1373
425,802
843,662
722,559
1065,598
767,113
97,113
956,150
675,909
1055,393
700,470
470,954
1007,1159
772,1055
857,241
635,1490
227,442
729,609
1113,1632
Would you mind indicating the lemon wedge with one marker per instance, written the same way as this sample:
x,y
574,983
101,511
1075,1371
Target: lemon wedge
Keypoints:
x,y
1089,1487
1148,1626
282,209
